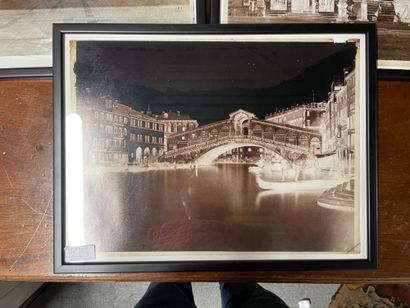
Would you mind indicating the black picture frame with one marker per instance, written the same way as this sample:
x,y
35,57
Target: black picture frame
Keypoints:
x,y
393,74
62,266
215,12
201,12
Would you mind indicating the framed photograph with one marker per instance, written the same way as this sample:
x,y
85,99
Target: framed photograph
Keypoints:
x,y
25,36
391,17
214,147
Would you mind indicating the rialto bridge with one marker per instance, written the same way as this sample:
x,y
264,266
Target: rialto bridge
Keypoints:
x,y
243,129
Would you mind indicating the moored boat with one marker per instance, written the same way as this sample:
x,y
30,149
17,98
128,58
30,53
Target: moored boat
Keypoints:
x,y
298,185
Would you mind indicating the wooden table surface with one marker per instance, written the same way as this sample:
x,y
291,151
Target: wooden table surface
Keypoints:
x,y
26,195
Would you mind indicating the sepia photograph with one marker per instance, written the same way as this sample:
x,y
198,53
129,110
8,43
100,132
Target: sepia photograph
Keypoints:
x,y
392,18
187,147
26,26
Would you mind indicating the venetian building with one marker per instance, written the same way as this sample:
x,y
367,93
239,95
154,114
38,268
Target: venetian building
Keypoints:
x,y
146,140
176,122
341,122
105,140
309,116
114,133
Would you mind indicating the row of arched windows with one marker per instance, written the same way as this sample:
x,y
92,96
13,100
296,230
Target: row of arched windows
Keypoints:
x,y
177,127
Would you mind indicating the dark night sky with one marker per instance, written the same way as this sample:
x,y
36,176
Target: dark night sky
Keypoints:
x,y
209,80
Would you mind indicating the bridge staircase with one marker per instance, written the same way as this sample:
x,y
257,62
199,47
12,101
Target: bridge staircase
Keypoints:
x,y
320,17
276,13
340,197
329,15
373,10
387,12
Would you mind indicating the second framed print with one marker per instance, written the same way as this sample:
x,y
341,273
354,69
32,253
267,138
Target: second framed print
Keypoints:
x,y
192,148
392,19
25,36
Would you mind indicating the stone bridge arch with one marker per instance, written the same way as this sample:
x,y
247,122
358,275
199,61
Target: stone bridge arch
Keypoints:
x,y
209,156
205,153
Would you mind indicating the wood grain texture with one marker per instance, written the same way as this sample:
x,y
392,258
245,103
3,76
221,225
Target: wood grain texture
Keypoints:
x,y
26,195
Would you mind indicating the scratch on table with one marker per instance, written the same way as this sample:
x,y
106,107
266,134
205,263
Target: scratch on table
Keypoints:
x,y
8,177
32,236
34,210
48,203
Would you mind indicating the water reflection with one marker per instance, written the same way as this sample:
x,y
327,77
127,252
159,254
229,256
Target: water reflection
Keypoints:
x,y
214,208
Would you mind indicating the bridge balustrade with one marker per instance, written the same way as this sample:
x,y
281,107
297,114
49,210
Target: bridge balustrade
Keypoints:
x,y
215,142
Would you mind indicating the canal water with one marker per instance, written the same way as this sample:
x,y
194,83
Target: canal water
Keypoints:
x,y
213,208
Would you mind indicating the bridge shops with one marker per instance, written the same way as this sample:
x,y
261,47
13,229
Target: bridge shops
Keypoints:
x,y
243,129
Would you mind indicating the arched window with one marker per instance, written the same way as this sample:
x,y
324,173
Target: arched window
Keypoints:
x,y
257,131
303,141
268,133
146,152
315,146
214,133
138,155
291,138
280,135
225,130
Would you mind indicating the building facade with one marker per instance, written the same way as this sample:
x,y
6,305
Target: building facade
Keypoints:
x,y
344,108
307,116
116,133
334,119
175,122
